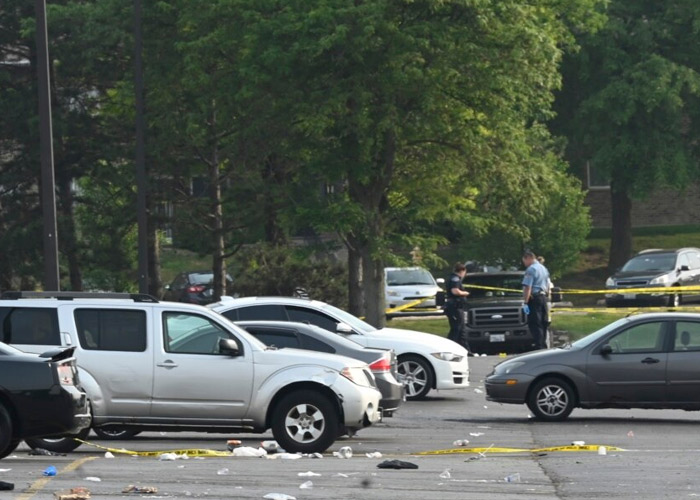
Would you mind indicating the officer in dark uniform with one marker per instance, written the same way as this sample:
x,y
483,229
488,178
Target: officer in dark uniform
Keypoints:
x,y
455,304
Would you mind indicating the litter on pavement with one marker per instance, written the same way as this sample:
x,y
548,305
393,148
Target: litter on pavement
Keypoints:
x,y
374,454
308,474
5,486
396,464
306,486
78,493
147,490
248,451
344,452
50,471
279,496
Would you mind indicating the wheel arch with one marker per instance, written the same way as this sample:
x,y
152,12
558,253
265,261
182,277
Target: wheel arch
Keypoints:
x,y
299,386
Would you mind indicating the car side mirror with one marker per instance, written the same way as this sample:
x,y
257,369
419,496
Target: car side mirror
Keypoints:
x,y
557,296
344,329
229,347
440,281
606,349
684,268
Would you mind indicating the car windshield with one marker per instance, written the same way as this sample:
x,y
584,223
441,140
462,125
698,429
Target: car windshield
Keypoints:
x,y
399,277
589,339
354,322
510,281
655,262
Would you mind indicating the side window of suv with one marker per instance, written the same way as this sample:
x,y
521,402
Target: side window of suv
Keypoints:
x,y
111,329
30,326
312,317
186,333
271,312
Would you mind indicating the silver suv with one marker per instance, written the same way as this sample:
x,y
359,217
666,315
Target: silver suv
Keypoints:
x,y
149,365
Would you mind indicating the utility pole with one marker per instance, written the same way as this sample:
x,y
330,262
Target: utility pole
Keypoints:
x,y
141,181
48,189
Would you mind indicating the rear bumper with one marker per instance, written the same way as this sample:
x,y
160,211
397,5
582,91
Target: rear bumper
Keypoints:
x,y
392,393
64,410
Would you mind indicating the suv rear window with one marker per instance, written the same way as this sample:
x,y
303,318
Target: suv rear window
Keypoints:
x,y
111,329
29,326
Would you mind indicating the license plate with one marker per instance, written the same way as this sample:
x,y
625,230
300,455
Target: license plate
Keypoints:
x,y
501,337
629,296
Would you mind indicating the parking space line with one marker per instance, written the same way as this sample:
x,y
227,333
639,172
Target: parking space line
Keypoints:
x,y
41,483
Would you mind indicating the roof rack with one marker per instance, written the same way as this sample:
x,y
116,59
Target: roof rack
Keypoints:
x,y
136,297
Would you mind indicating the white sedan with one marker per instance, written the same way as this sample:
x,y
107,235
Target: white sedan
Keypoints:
x,y
426,361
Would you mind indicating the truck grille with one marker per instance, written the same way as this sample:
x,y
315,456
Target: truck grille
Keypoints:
x,y
495,317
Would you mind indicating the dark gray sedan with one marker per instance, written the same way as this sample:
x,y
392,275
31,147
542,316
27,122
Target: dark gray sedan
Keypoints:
x,y
645,361
382,362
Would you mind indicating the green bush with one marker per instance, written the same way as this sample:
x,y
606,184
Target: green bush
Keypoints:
x,y
263,269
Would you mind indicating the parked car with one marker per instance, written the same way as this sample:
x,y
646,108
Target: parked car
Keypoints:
x,y
644,361
655,268
382,362
149,365
495,321
404,285
426,361
194,287
39,396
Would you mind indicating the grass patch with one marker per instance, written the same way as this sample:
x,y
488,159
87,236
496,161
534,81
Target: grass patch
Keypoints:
x,y
578,325
174,261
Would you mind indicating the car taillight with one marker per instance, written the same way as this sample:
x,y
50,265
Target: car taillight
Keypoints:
x,y
382,365
65,374
196,288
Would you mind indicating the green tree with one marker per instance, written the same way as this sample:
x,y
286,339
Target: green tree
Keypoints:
x,y
629,105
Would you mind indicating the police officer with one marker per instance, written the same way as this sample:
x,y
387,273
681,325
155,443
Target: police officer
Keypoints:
x,y
535,290
455,303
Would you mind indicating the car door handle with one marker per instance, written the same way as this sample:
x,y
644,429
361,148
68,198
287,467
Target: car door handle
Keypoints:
x,y
167,364
650,361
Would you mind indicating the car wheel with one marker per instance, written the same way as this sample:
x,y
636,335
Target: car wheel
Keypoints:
x,y
551,399
58,445
114,433
416,375
14,443
305,422
5,433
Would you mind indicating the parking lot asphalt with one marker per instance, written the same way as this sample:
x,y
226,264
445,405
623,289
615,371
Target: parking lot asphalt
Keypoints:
x,y
659,460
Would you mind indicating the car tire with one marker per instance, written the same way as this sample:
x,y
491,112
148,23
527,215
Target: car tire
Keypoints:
x,y
551,399
5,433
305,422
14,443
416,375
114,433
58,445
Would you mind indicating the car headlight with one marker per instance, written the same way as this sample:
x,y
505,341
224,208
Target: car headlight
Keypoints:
x,y
448,356
609,282
509,367
659,280
392,293
358,376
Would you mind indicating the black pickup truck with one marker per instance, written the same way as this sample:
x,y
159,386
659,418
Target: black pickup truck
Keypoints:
x,y
495,318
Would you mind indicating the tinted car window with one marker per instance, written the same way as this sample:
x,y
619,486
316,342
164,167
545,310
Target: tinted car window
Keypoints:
x,y
312,344
687,336
231,314
312,317
275,337
111,330
30,325
645,337
271,312
191,334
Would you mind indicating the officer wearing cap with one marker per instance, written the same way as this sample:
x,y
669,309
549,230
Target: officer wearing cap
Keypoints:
x,y
455,304
535,290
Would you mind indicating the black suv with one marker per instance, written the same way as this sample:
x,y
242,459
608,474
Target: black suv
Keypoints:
x,y
495,320
655,269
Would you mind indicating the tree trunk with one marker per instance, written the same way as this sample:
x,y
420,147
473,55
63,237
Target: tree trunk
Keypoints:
x,y
355,302
373,284
218,260
621,239
273,179
155,282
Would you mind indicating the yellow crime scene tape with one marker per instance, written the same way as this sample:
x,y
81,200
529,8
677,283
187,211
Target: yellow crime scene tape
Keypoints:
x,y
190,452
491,449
